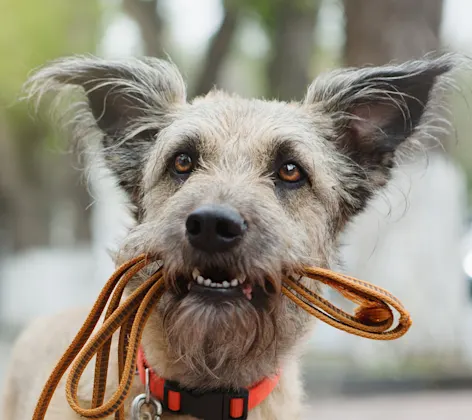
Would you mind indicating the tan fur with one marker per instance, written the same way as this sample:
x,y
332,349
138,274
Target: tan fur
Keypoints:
x,y
344,136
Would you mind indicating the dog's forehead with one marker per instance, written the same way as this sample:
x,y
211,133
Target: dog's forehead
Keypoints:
x,y
224,124
235,107
238,118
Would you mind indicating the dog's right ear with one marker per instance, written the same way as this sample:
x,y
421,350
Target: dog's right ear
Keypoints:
x,y
128,100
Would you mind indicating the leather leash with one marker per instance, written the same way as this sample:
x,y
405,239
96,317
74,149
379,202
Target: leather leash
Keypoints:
x,y
372,319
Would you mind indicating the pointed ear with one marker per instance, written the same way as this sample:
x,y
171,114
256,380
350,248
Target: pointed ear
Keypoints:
x,y
374,110
127,101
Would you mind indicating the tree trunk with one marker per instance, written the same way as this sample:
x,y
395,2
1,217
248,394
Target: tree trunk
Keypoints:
x,y
69,217
41,194
149,22
380,31
217,51
25,222
292,43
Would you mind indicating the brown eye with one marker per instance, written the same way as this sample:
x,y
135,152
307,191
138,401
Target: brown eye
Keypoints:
x,y
183,164
289,172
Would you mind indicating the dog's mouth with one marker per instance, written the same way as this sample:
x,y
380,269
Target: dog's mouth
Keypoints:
x,y
217,282
220,283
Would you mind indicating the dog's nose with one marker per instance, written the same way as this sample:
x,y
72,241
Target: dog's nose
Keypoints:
x,y
215,228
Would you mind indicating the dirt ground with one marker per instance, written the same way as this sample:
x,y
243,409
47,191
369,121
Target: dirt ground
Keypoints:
x,y
416,406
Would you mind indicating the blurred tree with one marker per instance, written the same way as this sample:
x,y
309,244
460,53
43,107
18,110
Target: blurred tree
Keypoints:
x,y
291,26
380,31
37,188
218,48
145,14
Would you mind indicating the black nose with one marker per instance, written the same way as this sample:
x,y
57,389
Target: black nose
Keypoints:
x,y
215,228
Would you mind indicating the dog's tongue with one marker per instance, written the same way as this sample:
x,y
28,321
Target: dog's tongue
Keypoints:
x,y
247,290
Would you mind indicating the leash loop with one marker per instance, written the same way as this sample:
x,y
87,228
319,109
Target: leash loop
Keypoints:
x,y
374,316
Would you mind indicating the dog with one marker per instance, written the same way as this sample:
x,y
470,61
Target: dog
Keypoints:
x,y
228,192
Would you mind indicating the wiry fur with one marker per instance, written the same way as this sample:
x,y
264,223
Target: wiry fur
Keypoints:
x,y
345,135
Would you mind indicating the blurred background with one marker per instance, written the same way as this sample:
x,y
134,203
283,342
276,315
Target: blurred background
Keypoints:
x,y
416,239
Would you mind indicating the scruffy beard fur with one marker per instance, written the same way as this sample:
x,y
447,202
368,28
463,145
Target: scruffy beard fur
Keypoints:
x,y
344,137
223,343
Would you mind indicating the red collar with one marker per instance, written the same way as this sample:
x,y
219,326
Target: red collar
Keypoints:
x,y
214,405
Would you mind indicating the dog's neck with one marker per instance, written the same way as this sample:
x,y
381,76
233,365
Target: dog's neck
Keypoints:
x,y
237,373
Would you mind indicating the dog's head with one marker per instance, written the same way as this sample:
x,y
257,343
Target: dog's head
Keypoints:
x,y
233,194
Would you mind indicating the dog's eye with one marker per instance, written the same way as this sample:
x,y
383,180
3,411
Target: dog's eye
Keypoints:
x,y
183,164
290,172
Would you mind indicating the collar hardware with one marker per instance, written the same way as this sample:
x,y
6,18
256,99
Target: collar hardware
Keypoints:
x,y
212,405
218,404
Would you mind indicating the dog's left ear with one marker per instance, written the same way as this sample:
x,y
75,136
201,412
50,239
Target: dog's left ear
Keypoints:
x,y
374,110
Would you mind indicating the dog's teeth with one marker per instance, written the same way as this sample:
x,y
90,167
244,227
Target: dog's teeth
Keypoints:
x,y
219,285
225,284
195,273
242,278
213,284
207,282
234,282
200,280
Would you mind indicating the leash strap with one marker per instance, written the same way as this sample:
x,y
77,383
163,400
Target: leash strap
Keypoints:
x,y
372,319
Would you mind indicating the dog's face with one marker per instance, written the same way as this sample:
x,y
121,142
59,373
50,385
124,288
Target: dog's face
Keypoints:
x,y
234,194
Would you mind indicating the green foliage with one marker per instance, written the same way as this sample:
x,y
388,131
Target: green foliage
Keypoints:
x,y
33,32
268,10
265,9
